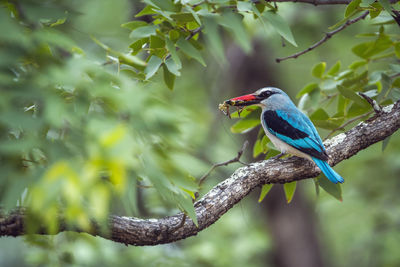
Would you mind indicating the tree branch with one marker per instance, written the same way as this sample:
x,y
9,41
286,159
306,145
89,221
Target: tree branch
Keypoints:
x,y
225,163
327,36
312,2
377,108
226,194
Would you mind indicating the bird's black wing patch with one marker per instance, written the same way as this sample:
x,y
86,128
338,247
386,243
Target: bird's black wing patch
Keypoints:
x,y
294,137
278,125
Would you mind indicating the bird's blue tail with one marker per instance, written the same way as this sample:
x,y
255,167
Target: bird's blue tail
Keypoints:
x,y
333,176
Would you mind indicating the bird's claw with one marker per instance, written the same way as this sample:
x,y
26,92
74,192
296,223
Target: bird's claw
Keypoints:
x,y
279,156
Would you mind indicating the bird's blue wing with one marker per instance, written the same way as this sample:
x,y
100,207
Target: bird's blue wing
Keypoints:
x,y
295,129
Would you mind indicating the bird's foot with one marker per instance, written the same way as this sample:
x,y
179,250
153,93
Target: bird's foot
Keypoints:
x,y
279,156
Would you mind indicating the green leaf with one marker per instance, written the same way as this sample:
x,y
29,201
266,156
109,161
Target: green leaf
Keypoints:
x,y
172,67
259,8
375,11
190,50
186,205
134,24
319,114
148,10
166,5
368,49
137,46
386,82
310,101
307,89
169,78
334,69
213,37
289,189
345,74
264,143
332,189
356,64
156,42
395,67
280,25
344,20
385,142
316,187
349,94
234,23
356,81
386,5
328,124
172,50
318,70
144,31
246,111
397,49
58,22
245,125
189,192
183,17
196,17
356,110
342,104
366,3
264,191
257,148
152,66
351,8
133,74
396,83
174,35
244,7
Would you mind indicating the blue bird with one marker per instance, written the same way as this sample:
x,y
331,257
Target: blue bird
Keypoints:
x,y
289,129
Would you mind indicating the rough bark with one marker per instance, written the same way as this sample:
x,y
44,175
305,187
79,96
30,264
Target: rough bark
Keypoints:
x,y
225,195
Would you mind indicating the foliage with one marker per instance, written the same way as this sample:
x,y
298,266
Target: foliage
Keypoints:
x,y
87,129
333,102
76,134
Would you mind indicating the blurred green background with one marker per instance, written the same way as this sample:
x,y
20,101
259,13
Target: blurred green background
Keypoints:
x,y
75,114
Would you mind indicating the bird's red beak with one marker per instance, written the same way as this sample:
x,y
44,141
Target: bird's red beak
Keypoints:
x,y
244,100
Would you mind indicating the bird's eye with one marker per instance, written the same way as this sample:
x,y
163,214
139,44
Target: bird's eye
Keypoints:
x,y
265,94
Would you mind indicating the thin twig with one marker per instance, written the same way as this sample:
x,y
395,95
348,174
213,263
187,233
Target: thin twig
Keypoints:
x,y
198,4
235,159
341,127
396,16
144,186
395,75
373,103
327,36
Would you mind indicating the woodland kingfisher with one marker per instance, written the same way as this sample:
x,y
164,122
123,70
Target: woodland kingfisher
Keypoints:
x,y
289,129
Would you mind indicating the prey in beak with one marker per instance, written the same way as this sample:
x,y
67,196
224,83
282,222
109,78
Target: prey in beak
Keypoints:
x,y
240,102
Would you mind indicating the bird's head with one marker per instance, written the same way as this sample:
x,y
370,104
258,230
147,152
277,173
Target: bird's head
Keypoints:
x,y
260,97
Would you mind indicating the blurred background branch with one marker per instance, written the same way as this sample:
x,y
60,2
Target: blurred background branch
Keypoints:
x,y
327,36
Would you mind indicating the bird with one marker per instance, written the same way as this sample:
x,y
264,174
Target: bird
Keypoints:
x,y
288,128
